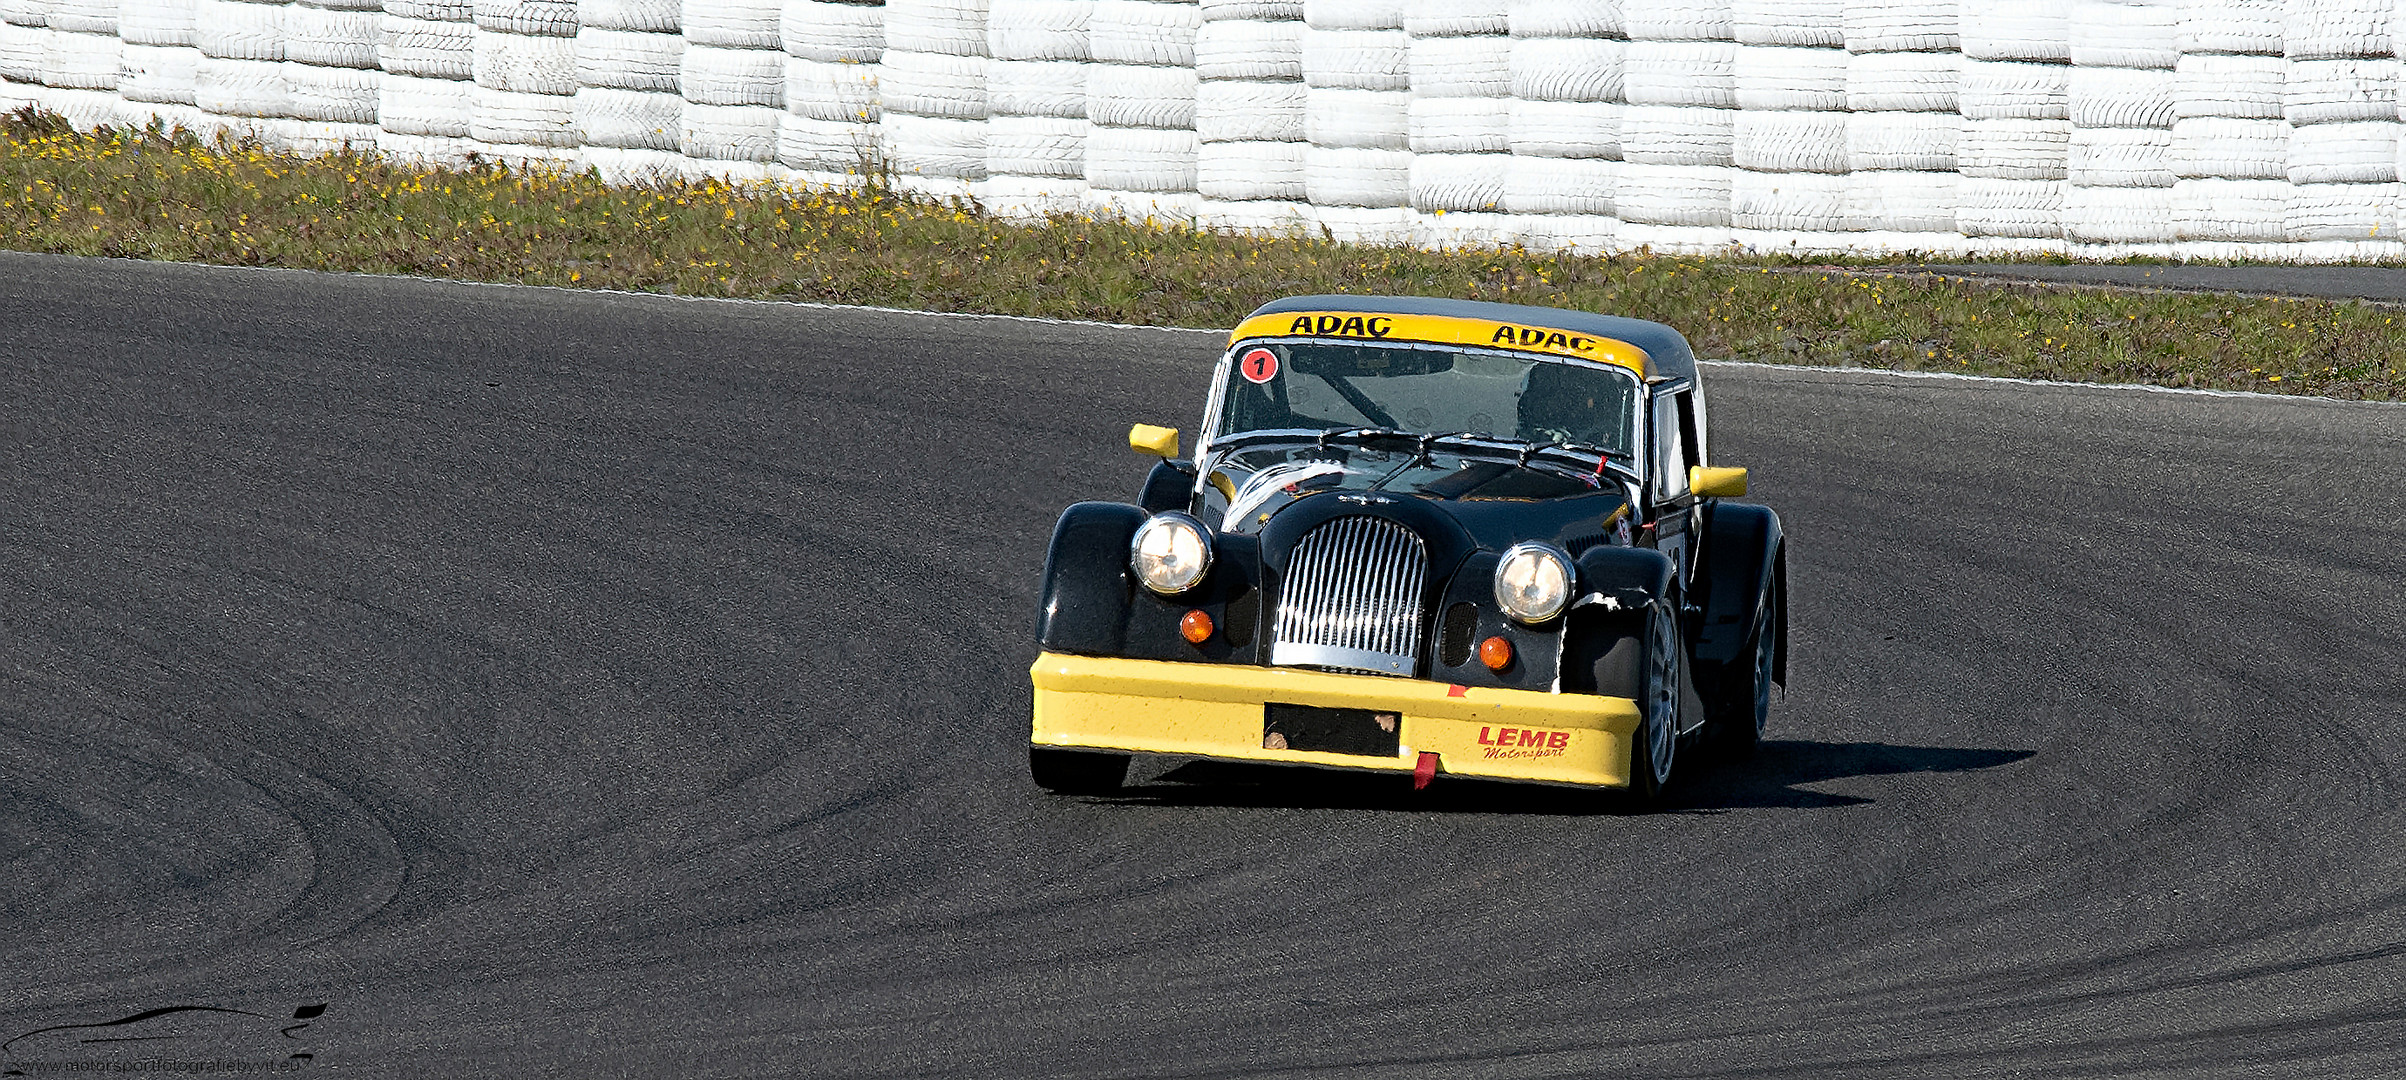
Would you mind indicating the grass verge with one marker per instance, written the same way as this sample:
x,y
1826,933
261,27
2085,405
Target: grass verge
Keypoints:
x,y
154,195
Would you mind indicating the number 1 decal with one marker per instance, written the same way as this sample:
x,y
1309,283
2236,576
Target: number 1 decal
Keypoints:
x,y
1258,366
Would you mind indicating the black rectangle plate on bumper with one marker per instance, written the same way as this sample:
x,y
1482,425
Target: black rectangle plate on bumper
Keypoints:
x,y
1366,732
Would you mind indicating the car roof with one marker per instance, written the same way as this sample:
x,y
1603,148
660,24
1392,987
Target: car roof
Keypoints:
x,y
1666,353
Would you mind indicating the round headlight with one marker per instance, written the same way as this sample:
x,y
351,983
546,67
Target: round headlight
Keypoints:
x,y
1533,583
1171,554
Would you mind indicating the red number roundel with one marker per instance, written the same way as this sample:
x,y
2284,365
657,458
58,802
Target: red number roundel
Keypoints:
x,y
1258,366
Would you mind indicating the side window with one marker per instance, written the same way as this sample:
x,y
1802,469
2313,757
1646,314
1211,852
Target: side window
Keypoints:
x,y
1671,454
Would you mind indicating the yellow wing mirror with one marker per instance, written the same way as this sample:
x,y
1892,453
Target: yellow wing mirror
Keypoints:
x,y
1710,483
1161,442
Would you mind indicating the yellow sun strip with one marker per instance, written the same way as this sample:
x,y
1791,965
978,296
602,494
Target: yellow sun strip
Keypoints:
x,y
1443,330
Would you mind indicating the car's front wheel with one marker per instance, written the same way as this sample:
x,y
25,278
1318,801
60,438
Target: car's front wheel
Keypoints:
x,y
1077,772
1642,662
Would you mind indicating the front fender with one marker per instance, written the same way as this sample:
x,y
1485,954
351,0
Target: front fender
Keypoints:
x,y
1087,583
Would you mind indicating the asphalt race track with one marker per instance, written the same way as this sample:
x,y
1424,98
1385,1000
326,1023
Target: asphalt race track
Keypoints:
x,y
569,684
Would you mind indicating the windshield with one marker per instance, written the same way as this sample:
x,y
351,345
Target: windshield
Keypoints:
x,y
1427,389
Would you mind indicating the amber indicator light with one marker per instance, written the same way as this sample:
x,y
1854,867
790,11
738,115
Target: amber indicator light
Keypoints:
x,y
1496,653
1195,626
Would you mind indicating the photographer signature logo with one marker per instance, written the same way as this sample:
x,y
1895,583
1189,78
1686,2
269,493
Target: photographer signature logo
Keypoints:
x,y
179,1039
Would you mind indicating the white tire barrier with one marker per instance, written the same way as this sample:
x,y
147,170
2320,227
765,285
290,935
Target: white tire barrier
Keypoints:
x,y
1565,19
94,17
627,119
831,32
2025,30
526,65
2230,211
839,91
1457,18
1780,77
1901,26
1677,135
2121,97
949,27
327,37
1566,69
722,76
1679,20
1036,146
1141,159
156,22
1055,88
81,61
1789,202
1248,111
2014,149
2025,209
1350,176
1144,32
1353,14
334,95
934,147
728,132
1460,125
2351,212
1903,82
1910,202
407,105
1902,141
1542,185
940,85
1249,50
826,146
1250,171
649,16
2120,157
521,118
1455,183
159,74
1996,90
2229,148
2338,91
1037,29
2246,87
425,48
1124,95
1461,67
1790,142
2112,33
2334,29
1693,196
2361,152
1358,119
533,18
629,60
731,24
1566,129
1693,73
1820,23
2230,26
229,30
1356,59
231,87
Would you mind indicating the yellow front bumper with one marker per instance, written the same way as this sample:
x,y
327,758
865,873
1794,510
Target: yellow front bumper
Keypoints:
x,y
1215,711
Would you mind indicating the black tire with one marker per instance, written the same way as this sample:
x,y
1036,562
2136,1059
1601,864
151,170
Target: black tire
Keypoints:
x,y
1645,666
1077,772
1742,706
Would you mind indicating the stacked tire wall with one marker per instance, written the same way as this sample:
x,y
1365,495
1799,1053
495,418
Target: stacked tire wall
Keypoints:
x,y
2201,128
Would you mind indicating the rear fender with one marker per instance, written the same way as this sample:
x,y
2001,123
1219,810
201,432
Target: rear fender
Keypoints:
x,y
1742,560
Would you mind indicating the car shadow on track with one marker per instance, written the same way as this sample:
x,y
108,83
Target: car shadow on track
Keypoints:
x,y
1776,777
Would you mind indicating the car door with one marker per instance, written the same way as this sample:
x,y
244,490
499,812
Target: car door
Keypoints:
x,y
1671,434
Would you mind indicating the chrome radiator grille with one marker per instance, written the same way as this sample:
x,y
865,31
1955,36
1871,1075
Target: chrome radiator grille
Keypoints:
x,y
1352,598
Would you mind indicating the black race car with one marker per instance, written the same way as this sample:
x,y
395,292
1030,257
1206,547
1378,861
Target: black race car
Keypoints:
x,y
1423,537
